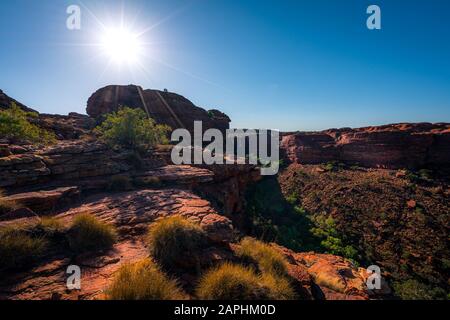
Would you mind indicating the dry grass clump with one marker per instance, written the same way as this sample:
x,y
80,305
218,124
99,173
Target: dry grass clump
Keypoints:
x,y
230,282
278,288
143,281
237,282
268,259
174,240
88,233
50,225
18,248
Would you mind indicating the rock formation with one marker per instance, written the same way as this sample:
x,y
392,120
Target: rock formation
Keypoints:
x,y
165,107
391,146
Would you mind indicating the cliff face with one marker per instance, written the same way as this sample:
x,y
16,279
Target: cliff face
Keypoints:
x,y
392,146
165,107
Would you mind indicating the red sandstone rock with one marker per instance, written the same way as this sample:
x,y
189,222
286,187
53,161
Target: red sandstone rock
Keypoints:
x,y
411,204
46,200
218,228
165,107
391,146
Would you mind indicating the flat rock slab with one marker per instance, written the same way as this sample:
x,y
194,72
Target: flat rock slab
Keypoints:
x,y
48,281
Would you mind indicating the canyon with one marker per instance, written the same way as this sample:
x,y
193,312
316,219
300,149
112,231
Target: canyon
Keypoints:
x,y
75,175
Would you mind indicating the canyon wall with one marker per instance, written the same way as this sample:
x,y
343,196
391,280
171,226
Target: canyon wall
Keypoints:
x,y
392,146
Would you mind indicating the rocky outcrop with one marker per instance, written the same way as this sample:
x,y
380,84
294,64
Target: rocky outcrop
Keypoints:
x,y
165,107
6,101
392,146
87,163
334,277
65,127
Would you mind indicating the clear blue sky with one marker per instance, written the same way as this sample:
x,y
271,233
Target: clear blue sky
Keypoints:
x,y
289,65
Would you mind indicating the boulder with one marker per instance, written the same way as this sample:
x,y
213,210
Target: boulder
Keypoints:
x,y
164,107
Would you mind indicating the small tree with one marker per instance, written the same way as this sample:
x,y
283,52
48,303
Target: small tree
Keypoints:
x,y
132,129
14,125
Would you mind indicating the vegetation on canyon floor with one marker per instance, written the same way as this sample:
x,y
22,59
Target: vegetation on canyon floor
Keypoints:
x,y
398,220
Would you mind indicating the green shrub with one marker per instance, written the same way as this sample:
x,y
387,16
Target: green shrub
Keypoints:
x,y
412,177
120,183
230,282
131,129
325,229
87,233
334,166
445,264
174,239
300,210
292,199
268,259
329,167
426,174
18,248
143,280
412,290
14,125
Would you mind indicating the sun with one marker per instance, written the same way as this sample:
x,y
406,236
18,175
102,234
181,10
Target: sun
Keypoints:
x,y
121,45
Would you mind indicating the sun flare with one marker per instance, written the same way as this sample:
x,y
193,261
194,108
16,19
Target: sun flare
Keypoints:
x,y
121,45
